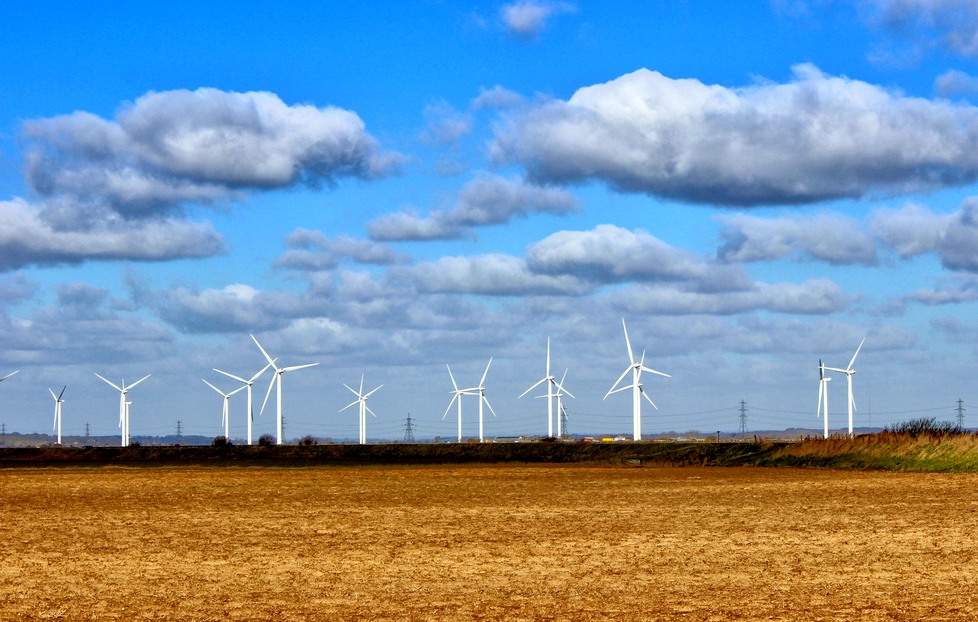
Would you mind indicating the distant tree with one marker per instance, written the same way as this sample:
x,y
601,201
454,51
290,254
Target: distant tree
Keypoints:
x,y
308,440
220,441
266,440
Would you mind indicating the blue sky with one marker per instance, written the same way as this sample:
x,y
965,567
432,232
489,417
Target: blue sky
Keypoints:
x,y
389,188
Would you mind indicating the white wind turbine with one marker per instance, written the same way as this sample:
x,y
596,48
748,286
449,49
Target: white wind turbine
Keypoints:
x,y
57,410
248,383
364,409
561,392
849,371
823,397
481,392
225,419
636,367
551,381
277,382
124,405
456,395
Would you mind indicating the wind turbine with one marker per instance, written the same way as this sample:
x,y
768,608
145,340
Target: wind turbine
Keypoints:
x,y
481,392
364,409
57,410
636,367
124,405
849,371
248,383
823,397
457,395
551,381
277,381
561,392
225,419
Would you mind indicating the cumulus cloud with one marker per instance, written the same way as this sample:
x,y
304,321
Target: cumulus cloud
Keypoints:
x,y
961,289
812,139
915,230
490,275
233,308
831,238
954,83
611,254
525,19
313,251
952,24
815,297
180,146
486,200
27,239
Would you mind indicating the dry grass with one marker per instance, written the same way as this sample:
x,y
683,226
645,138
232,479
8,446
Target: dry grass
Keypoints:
x,y
485,543
886,450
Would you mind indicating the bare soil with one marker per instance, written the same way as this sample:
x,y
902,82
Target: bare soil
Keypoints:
x,y
486,543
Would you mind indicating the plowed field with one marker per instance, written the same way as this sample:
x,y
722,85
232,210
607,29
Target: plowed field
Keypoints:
x,y
486,543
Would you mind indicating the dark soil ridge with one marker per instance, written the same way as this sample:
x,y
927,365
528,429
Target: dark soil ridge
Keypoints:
x,y
666,454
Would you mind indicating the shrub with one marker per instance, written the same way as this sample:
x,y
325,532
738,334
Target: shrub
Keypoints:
x,y
266,440
308,440
220,441
925,427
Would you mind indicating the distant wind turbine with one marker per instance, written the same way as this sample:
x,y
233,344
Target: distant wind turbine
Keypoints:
x,y
456,396
636,367
823,397
248,383
364,409
225,419
551,381
57,410
277,382
124,405
481,392
849,371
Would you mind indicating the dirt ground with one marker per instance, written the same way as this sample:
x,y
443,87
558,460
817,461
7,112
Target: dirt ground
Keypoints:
x,y
485,543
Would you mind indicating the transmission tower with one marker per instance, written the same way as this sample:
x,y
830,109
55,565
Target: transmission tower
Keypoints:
x,y
179,429
563,419
87,430
743,417
960,410
409,430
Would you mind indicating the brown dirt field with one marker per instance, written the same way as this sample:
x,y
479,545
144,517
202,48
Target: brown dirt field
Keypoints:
x,y
485,543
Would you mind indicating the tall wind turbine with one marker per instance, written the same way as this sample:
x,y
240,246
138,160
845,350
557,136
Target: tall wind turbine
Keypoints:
x,y
457,396
277,382
364,409
551,381
123,405
636,367
849,371
481,392
225,419
823,397
248,383
57,410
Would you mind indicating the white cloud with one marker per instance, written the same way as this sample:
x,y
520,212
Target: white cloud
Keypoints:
x,y
814,138
486,200
27,239
952,24
327,253
496,97
526,18
611,254
960,289
831,238
490,275
446,125
178,146
953,83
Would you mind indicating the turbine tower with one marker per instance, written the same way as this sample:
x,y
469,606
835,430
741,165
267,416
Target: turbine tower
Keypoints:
x,y
364,409
225,419
823,398
561,413
57,410
636,367
248,383
124,405
849,371
551,382
277,382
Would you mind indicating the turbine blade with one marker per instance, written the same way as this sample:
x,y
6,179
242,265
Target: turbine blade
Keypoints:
x,y
541,381
367,408
620,378
62,392
14,372
267,358
53,395
267,393
652,371
454,384
262,370
486,400
351,390
295,367
212,386
138,381
631,357
646,396
361,384
350,404
371,393
821,391
241,388
451,403
110,383
620,389
485,373
856,354
238,378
